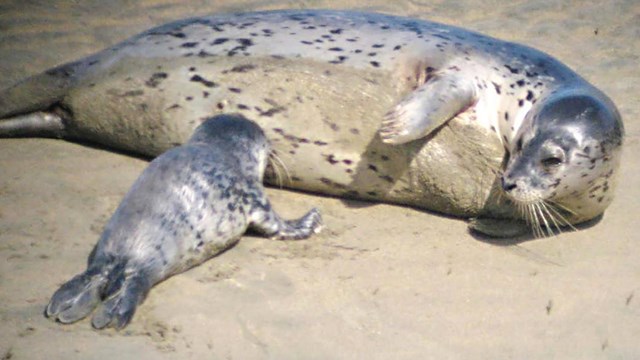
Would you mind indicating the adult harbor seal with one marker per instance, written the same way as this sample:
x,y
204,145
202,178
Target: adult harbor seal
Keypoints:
x,y
468,122
190,204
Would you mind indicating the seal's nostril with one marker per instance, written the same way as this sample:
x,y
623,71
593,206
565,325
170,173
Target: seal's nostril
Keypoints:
x,y
507,186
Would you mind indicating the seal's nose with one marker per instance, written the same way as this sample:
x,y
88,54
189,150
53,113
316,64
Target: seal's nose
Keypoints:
x,y
508,186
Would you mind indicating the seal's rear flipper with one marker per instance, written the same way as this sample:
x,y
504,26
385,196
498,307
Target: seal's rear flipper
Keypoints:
x,y
77,298
427,108
22,103
41,91
34,124
123,294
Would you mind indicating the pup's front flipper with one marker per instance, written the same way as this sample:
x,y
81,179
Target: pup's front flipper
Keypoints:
x,y
267,222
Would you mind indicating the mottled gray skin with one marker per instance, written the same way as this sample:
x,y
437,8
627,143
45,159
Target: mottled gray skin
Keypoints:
x,y
190,204
358,105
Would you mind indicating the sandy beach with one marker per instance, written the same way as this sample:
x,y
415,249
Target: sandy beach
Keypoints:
x,y
381,281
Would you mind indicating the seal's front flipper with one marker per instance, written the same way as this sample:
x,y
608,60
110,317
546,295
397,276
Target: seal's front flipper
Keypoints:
x,y
266,221
499,228
39,123
428,107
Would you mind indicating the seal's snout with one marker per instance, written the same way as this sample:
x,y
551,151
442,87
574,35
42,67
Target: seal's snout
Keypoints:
x,y
508,185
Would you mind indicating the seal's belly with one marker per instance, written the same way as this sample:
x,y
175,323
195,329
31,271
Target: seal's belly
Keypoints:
x,y
322,121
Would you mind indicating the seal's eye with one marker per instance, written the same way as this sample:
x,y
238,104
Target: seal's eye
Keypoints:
x,y
551,161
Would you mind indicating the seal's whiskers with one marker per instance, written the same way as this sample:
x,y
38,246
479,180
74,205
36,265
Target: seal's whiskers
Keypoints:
x,y
277,164
545,218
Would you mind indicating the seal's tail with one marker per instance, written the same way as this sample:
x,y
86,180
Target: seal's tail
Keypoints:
x,y
20,104
119,290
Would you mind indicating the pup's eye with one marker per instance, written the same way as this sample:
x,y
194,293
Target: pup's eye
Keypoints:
x,y
551,161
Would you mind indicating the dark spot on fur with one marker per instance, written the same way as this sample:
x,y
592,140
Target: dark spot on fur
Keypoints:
x,y
271,112
156,79
335,49
242,68
245,42
219,41
529,95
374,63
512,69
497,87
203,81
132,93
189,45
339,60
235,90
203,53
331,159
331,183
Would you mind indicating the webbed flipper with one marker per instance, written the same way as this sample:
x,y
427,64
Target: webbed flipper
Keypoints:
x,y
428,107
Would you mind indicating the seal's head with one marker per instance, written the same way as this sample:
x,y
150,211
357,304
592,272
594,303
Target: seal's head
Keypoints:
x,y
238,137
562,161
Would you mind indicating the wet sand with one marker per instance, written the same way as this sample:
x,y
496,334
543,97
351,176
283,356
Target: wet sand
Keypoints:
x,y
380,282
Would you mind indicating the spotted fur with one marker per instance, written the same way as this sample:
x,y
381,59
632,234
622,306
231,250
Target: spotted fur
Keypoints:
x,y
332,90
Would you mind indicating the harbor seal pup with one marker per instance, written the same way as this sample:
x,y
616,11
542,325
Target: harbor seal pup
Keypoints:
x,y
358,105
189,204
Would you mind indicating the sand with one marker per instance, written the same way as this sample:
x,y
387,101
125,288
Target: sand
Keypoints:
x,y
380,282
